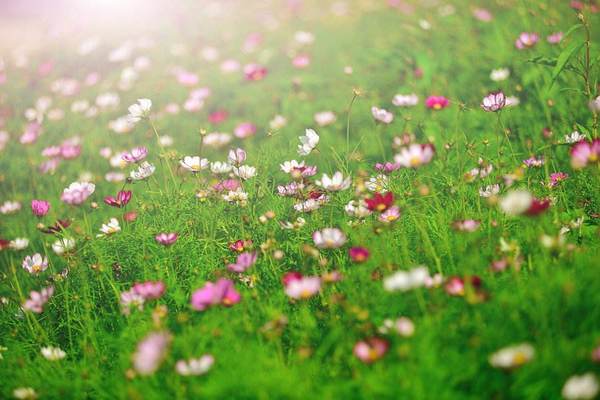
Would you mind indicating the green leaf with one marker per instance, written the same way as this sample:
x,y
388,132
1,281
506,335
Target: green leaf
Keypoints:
x,y
571,30
563,59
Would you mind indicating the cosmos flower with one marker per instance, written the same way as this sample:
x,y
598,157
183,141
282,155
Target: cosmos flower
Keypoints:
x,y
371,349
77,192
53,353
329,238
194,163
110,228
308,142
512,357
255,72
380,202
358,254
139,110
19,243
301,287
166,238
499,74
494,101
489,190
405,100
402,326
136,155
62,246
526,40
382,115
221,292
219,167
357,209
36,301
244,261
584,153
35,264
150,352
581,387
236,156
195,366
406,280
245,172
144,171
40,207
415,155
121,200
149,290
436,102
466,225
336,183
325,118
10,207
554,38
390,215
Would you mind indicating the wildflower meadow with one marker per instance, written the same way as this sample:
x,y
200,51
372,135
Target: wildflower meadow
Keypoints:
x,y
300,199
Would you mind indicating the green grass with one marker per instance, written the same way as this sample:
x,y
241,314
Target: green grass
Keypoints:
x,y
551,302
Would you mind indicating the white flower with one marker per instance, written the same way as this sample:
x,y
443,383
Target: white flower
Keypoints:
x,y
289,166
35,264
382,115
308,205
516,202
19,243
109,228
63,245
581,387
406,280
512,356
219,167
489,190
77,192
165,140
512,101
121,125
405,100
278,122
245,172
357,209
329,238
303,37
216,139
194,163
144,171
24,393
10,207
378,183
139,110
195,366
238,196
335,183
415,155
499,74
325,118
53,353
574,137
308,142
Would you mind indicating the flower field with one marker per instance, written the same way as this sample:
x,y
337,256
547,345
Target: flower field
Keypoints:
x,y
300,199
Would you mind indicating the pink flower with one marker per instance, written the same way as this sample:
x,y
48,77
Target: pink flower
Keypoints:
x,y
329,238
415,155
70,151
255,72
387,167
240,245
237,156
35,264
436,102
40,207
358,254
220,293
244,261
216,117
150,352
301,61
390,215
136,154
149,290
37,300
371,349
555,38
301,287
467,225
123,197
228,185
77,192
526,40
382,115
557,177
166,238
494,101
186,78
244,130
584,153
482,14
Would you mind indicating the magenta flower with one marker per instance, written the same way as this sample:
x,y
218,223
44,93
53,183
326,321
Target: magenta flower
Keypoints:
x,y
121,200
40,207
37,300
557,177
149,290
358,254
526,40
70,151
371,349
243,262
221,292
77,193
166,238
494,101
136,155
255,72
150,352
584,153
436,102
